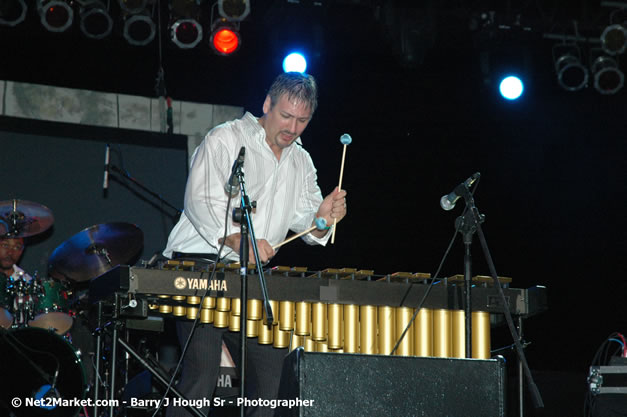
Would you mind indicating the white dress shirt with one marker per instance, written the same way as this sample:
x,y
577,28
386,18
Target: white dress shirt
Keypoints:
x,y
286,191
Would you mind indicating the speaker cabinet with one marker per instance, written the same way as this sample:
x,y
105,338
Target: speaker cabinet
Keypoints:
x,y
341,384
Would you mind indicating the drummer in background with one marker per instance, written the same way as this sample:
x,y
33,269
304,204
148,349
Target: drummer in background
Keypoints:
x,y
11,250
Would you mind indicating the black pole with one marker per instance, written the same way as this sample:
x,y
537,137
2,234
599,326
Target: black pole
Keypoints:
x,y
466,226
143,187
467,290
521,375
242,215
113,359
243,259
476,223
98,354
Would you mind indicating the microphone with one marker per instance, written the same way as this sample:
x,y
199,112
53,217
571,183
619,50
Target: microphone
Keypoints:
x,y
231,186
105,181
447,202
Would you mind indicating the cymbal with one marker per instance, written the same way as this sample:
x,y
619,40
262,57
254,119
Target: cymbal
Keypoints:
x,y
95,250
21,218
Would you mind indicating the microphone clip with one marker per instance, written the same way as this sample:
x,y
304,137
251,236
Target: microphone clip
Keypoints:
x,y
237,175
447,202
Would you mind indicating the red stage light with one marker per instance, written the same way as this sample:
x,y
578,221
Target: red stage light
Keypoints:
x,y
225,40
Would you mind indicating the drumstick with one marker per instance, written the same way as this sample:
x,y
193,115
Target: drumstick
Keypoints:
x,y
345,139
321,223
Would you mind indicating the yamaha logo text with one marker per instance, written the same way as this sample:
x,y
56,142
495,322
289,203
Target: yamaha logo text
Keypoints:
x,y
181,283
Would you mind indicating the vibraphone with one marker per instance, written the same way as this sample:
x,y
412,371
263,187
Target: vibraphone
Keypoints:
x,y
335,310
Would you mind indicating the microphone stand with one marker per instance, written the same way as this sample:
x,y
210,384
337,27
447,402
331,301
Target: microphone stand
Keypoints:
x,y
467,227
144,188
242,215
154,371
471,223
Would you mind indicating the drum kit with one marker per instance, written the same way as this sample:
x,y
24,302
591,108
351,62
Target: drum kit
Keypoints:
x,y
37,315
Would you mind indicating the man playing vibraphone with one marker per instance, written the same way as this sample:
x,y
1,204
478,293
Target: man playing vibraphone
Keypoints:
x,y
281,178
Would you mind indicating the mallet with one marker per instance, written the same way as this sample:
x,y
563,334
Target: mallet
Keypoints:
x,y
345,139
321,224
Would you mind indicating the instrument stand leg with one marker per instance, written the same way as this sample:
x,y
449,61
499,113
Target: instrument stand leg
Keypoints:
x,y
126,359
521,374
98,361
113,365
155,372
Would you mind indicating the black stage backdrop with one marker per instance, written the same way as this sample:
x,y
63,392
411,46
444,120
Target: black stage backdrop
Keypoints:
x,y
552,190
61,166
553,163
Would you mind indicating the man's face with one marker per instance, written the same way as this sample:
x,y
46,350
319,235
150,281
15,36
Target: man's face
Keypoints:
x,y
284,121
10,252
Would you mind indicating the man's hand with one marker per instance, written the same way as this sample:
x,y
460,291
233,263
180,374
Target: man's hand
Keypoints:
x,y
332,207
265,249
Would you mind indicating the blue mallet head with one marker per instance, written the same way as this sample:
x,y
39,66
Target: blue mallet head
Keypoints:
x,y
346,139
321,223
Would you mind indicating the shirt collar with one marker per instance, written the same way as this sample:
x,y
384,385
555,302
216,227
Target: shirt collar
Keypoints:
x,y
252,123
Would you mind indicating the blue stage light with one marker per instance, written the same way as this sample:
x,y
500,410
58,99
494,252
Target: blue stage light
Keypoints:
x,y
294,62
511,87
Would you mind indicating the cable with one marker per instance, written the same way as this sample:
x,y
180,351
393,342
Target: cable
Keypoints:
x,y
435,276
14,341
602,358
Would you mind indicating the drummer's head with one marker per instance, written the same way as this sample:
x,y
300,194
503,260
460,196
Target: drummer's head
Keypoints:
x,y
11,250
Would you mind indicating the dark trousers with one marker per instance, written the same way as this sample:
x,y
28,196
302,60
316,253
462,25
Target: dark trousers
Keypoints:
x,y
201,367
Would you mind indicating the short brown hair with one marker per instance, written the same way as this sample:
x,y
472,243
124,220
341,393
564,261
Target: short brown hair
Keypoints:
x,y
296,85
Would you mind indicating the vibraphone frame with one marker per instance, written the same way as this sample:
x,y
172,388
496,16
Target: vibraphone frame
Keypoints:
x,y
335,310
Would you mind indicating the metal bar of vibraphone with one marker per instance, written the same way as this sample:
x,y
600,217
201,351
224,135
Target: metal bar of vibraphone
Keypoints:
x,y
379,291
351,328
315,324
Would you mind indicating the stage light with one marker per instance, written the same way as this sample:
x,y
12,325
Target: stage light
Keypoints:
x,y
55,15
608,78
225,38
294,62
133,6
572,75
139,29
185,29
95,20
511,87
234,10
186,33
12,12
614,39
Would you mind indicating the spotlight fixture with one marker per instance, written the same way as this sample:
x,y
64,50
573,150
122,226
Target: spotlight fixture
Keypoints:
x,y
133,6
572,75
234,10
185,29
139,29
55,15
608,78
95,20
12,12
614,39
225,38
186,33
